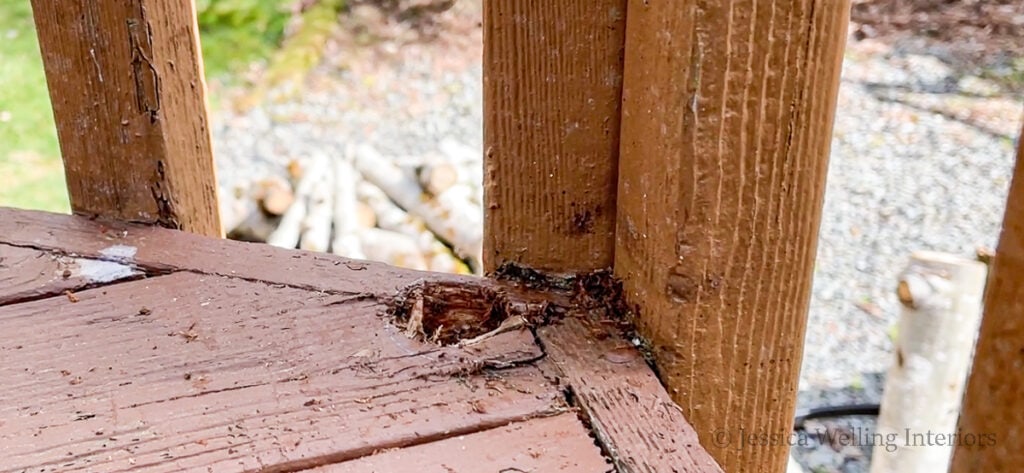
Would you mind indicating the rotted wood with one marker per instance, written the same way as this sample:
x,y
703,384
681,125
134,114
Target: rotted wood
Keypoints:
x,y
27,274
991,427
552,89
726,124
128,92
214,372
249,325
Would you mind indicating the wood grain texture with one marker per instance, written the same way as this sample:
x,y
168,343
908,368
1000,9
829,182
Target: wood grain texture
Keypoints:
x,y
128,93
636,421
726,123
205,373
293,345
27,274
158,249
991,426
552,88
555,444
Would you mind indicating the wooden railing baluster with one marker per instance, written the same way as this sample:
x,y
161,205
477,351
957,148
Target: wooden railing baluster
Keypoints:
x,y
726,127
991,429
126,82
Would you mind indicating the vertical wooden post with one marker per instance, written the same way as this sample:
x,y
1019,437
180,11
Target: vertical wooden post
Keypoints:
x,y
552,89
126,82
726,125
991,429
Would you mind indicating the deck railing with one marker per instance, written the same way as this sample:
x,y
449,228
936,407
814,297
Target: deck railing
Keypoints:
x,y
682,143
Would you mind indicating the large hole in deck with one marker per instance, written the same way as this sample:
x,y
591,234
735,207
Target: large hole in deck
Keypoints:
x,y
447,313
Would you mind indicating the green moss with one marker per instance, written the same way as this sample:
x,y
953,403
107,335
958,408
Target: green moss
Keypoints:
x,y
301,51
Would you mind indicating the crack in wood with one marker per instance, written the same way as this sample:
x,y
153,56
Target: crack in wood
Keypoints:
x,y
151,270
144,74
335,458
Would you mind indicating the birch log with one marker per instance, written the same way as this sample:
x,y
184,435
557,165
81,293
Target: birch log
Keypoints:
x,y
392,247
391,217
316,227
469,162
275,195
346,212
289,231
451,215
941,296
437,177
234,208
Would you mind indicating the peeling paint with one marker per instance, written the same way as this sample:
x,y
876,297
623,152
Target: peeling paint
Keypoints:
x,y
123,252
98,271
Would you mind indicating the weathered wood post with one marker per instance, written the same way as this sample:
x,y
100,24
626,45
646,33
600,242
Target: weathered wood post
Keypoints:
x,y
991,429
726,125
552,85
126,82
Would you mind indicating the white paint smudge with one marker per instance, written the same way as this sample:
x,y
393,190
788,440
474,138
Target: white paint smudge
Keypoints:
x,y
120,251
98,271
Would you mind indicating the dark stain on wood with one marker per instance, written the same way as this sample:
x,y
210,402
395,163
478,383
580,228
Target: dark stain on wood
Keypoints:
x,y
583,222
447,312
289,349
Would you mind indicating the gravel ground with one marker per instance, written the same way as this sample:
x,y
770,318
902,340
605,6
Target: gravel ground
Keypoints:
x,y
403,95
921,158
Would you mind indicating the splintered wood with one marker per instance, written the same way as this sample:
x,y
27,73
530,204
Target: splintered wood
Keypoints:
x,y
226,374
239,357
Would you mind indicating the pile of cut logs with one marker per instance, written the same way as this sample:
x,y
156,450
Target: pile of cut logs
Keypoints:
x,y
423,213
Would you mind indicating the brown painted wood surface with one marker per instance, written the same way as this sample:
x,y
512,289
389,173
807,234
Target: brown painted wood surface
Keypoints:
x,y
294,353
27,274
552,86
643,429
554,444
726,124
128,93
190,371
991,427
161,250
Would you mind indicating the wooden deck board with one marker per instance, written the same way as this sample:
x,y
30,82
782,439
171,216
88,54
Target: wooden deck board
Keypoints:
x,y
623,400
161,249
27,274
554,444
230,356
186,370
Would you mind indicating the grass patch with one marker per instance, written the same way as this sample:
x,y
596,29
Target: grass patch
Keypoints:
x,y
234,33
29,153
